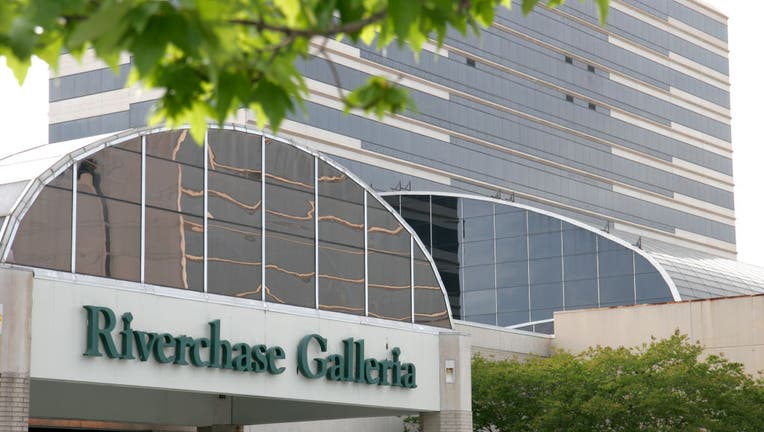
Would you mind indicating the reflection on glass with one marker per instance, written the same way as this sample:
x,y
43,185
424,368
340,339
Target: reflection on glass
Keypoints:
x,y
234,153
111,173
289,225
44,236
445,247
429,303
233,261
389,248
174,186
416,210
174,249
108,237
176,146
340,248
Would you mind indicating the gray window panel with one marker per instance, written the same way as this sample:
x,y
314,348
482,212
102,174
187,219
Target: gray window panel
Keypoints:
x,y
617,290
416,210
233,199
545,270
510,224
506,319
582,266
604,244
289,225
511,249
234,153
616,263
44,236
578,241
698,20
544,328
429,304
111,173
234,260
290,269
479,278
341,242
477,228
174,249
651,288
176,146
394,201
89,126
513,274
478,253
641,265
489,319
480,302
86,83
174,186
139,113
108,236
545,245
580,293
476,208
539,223
514,300
545,299
389,291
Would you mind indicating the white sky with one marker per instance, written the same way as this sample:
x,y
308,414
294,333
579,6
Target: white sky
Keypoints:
x,y
24,111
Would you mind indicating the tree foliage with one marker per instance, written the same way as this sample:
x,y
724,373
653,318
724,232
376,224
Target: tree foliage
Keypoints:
x,y
214,56
660,386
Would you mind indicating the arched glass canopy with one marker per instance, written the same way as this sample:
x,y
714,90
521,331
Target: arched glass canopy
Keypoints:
x,y
156,207
512,265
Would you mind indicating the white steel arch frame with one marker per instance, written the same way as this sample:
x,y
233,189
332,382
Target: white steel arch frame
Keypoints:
x,y
27,197
664,274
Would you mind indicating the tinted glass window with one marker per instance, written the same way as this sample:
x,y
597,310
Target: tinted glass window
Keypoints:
x,y
512,274
416,210
289,226
340,247
545,299
580,293
545,245
176,146
583,266
174,249
510,223
545,270
234,259
111,173
616,262
617,290
539,223
510,249
429,303
480,302
174,186
477,278
389,248
44,236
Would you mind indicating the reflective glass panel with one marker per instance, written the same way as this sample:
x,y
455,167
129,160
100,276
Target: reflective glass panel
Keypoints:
x,y
583,266
174,249
416,210
617,290
616,262
512,274
510,249
234,261
108,237
63,180
477,228
389,264
514,300
289,225
489,319
340,247
580,293
176,146
545,299
234,153
445,246
545,270
44,236
545,245
651,287
111,173
480,302
478,278
174,186
429,303
510,221
478,252
233,199
539,223
579,241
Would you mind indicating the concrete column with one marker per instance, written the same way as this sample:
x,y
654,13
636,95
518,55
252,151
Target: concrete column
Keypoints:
x,y
15,349
455,413
221,428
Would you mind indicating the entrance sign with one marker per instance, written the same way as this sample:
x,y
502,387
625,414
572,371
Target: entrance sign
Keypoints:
x,y
211,351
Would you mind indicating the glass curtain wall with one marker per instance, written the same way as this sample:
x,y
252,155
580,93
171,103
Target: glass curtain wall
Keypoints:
x,y
240,216
508,266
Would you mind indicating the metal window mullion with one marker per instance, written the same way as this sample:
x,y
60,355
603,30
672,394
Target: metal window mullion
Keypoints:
x,y
366,253
411,255
528,256
205,196
597,256
73,260
262,217
634,273
315,222
495,271
562,263
143,209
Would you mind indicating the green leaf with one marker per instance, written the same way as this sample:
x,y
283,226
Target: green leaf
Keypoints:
x,y
18,67
603,6
528,6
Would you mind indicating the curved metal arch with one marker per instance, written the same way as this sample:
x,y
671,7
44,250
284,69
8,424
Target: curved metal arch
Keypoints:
x,y
664,274
35,186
